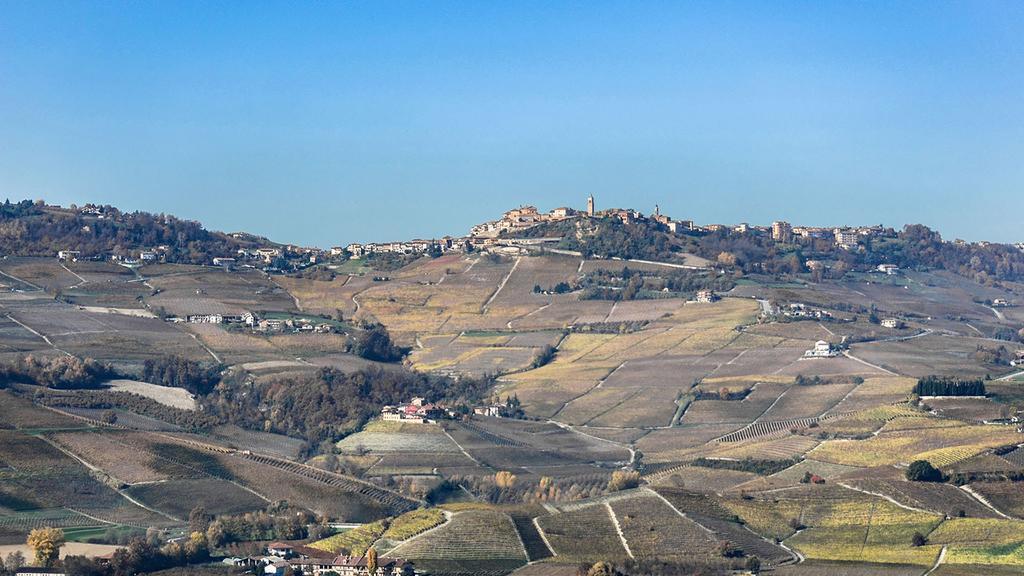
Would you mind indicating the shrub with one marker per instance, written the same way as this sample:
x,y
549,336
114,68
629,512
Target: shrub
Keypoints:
x,y
923,471
623,480
375,343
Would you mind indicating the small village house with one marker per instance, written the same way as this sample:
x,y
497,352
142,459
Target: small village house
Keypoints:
x,y
892,323
706,296
822,349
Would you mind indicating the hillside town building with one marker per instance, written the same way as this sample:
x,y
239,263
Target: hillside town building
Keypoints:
x,y
822,349
782,231
417,410
706,296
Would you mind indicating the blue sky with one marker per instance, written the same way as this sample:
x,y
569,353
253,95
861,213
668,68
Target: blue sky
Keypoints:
x,y
324,123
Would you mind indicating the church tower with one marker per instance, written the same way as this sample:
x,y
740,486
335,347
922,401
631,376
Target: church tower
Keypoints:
x,y
590,205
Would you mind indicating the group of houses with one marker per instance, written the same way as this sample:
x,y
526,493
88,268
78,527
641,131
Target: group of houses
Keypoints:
x,y
849,238
799,310
257,324
137,258
282,558
418,410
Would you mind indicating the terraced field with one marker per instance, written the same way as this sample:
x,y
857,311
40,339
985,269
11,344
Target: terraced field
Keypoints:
x,y
469,535
585,534
982,541
652,529
178,497
867,530
941,446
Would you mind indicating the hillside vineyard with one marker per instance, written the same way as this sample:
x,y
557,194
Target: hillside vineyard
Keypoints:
x,y
554,389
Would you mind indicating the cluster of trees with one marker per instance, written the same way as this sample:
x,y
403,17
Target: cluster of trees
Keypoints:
x,y
329,404
278,522
31,229
816,380
318,406
142,554
723,393
374,343
177,372
560,288
623,480
389,261
1008,334
914,247
748,464
1000,355
612,238
62,372
9,565
629,284
104,400
923,471
506,488
948,386
545,355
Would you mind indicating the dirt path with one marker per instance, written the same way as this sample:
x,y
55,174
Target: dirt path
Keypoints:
x,y
527,315
463,450
44,337
984,502
564,426
75,274
618,529
26,282
1010,376
501,284
98,470
589,390
866,363
890,499
938,561
205,347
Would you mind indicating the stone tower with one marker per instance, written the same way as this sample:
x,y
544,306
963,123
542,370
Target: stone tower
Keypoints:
x,y
590,205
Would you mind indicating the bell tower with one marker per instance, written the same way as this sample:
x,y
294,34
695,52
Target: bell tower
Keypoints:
x,y
590,205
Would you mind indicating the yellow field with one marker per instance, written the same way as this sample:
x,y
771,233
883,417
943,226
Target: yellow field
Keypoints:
x,y
982,541
319,296
867,530
946,445
585,359
768,518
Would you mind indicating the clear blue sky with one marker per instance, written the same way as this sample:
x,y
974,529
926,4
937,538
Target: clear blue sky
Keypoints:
x,y
324,123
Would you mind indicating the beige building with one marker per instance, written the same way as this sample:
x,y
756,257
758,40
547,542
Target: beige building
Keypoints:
x,y
782,231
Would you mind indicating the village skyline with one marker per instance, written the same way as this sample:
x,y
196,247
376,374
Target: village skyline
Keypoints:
x,y
438,118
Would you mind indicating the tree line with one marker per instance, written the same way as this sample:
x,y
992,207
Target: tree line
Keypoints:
x,y
948,386
178,372
32,229
61,372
